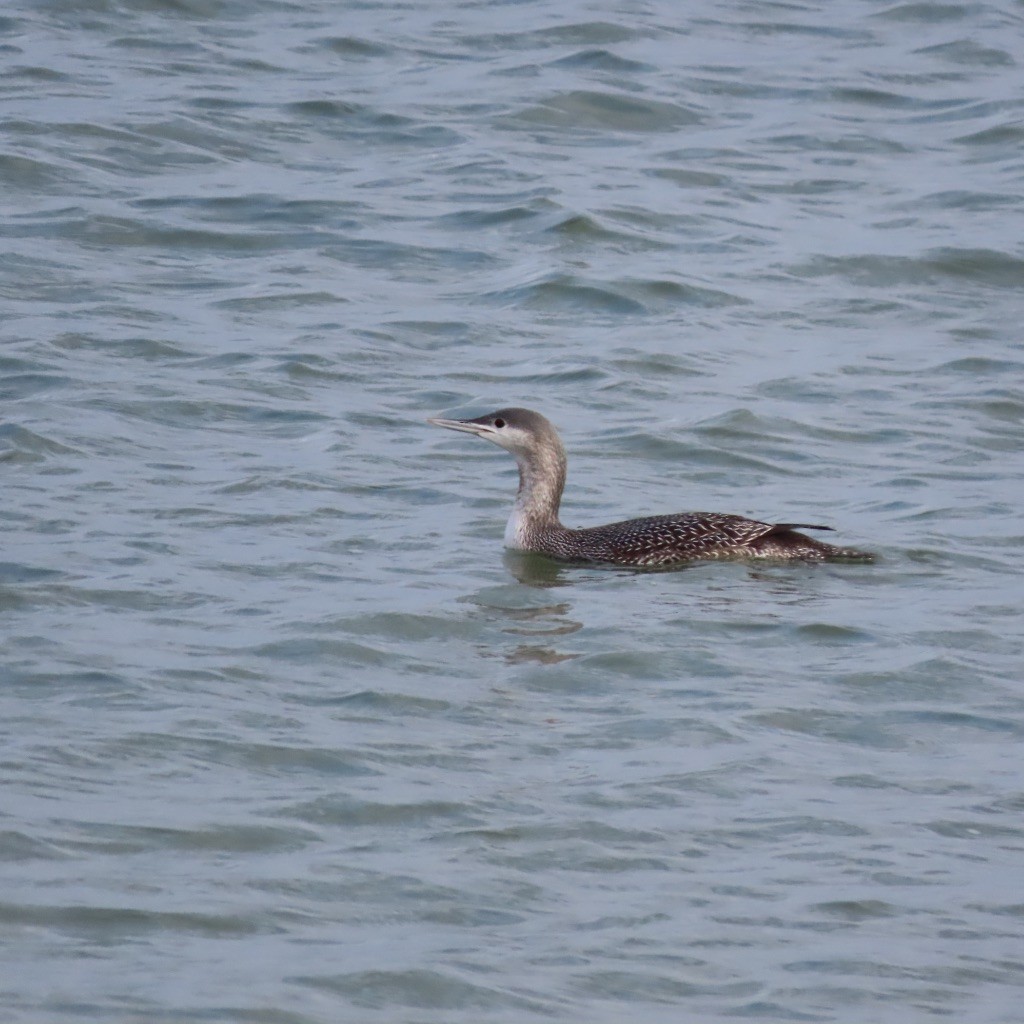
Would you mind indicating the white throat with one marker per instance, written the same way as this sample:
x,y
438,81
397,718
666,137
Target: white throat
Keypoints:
x,y
515,529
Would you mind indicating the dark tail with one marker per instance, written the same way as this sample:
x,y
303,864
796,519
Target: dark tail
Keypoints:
x,y
783,541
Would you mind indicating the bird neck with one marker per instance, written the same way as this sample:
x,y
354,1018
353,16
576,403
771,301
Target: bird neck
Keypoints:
x,y
541,482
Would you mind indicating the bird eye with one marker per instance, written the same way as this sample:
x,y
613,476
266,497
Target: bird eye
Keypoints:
x,y
499,423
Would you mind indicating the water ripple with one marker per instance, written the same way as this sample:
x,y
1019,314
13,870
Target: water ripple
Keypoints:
x,y
273,695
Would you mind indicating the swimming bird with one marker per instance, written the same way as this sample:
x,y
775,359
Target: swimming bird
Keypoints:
x,y
652,541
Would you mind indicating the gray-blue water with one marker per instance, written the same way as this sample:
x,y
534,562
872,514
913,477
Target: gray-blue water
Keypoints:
x,y
286,737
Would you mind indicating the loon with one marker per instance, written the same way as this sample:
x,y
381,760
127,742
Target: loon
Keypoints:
x,y
652,541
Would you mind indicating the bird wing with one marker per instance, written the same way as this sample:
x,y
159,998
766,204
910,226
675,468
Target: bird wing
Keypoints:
x,y
685,534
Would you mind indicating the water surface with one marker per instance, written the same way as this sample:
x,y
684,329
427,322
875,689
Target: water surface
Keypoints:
x,y
287,737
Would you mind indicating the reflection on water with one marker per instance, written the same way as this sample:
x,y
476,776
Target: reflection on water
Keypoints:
x,y
538,571
516,613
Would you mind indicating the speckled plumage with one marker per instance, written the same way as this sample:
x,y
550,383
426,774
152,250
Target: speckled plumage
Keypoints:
x,y
653,541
